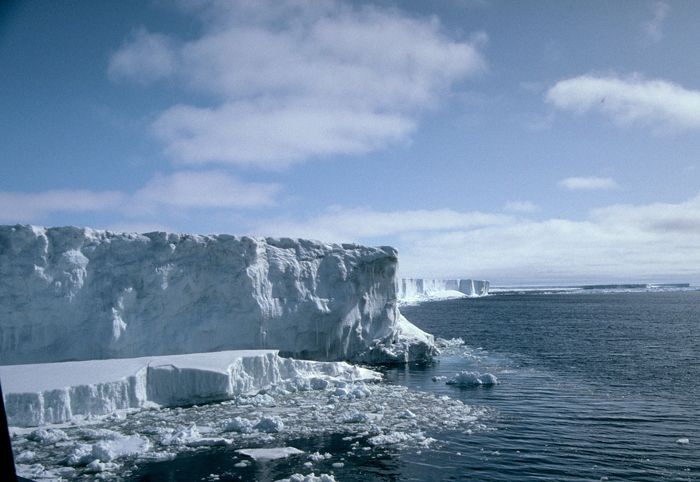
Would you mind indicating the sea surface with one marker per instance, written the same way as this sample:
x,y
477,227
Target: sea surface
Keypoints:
x,y
592,386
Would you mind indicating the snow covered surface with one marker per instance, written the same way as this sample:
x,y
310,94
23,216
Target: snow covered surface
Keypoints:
x,y
38,394
78,294
416,290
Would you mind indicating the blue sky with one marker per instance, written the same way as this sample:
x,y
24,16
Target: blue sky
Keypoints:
x,y
522,142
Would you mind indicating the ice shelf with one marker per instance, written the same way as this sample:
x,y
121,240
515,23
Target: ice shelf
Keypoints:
x,y
72,293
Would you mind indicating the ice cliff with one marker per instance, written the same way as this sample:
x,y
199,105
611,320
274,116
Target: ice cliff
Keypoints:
x,y
416,288
76,294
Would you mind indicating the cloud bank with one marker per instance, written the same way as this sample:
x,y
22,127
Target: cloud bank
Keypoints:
x,y
179,191
654,242
283,82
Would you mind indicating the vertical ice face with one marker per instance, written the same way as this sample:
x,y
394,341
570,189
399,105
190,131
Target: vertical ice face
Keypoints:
x,y
75,294
416,288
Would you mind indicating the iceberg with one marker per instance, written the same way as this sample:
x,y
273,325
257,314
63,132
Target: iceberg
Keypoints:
x,y
39,394
413,290
70,293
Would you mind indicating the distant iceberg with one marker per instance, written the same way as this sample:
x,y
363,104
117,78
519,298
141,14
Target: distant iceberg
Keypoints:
x,y
414,290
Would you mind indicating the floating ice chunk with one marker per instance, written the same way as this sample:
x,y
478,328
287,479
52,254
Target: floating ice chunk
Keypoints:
x,y
24,457
309,478
210,442
269,425
81,455
96,466
338,465
123,446
439,378
407,414
390,438
683,441
472,379
238,424
181,436
489,379
448,343
318,457
47,435
270,453
356,417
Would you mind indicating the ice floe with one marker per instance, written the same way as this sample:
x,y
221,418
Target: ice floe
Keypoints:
x,y
273,453
58,392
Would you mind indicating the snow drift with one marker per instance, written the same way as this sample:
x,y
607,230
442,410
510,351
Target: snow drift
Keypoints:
x,y
77,294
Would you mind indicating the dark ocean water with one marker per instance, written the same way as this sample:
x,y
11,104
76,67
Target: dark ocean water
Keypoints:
x,y
595,386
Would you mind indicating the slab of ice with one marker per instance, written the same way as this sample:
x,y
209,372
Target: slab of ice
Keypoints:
x,y
77,294
39,394
270,453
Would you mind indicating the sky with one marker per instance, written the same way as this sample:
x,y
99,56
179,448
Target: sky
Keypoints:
x,y
520,142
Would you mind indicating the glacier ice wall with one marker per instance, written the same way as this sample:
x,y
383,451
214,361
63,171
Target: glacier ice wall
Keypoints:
x,y
76,294
411,288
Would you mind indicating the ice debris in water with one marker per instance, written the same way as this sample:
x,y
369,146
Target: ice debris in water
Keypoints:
x,y
683,441
237,424
47,436
270,425
270,453
309,478
472,379
448,343
381,416
318,457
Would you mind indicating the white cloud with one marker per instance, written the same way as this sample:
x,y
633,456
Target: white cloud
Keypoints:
x,y
588,183
262,134
296,80
653,28
24,207
207,189
660,104
144,57
521,207
182,190
654,242
344,224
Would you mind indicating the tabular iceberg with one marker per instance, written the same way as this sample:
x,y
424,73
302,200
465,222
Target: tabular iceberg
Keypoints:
x,y
416,289
77,294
